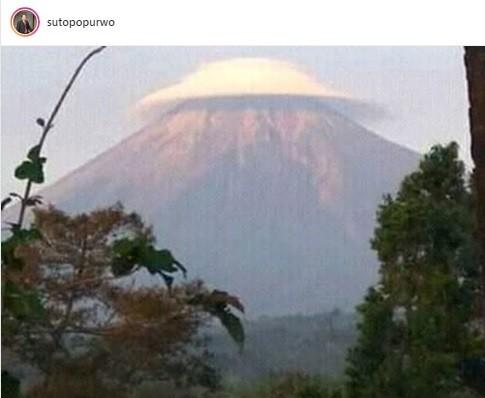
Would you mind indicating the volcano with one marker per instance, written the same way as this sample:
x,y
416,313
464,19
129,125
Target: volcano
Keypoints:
x,y
272,197
258,179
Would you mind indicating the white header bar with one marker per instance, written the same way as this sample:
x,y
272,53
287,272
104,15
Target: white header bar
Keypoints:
x,y
247,22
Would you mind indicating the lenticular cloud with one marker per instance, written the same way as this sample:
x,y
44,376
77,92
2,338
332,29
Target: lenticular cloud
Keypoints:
x,y
243,76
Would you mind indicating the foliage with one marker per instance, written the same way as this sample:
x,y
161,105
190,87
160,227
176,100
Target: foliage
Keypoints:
x,y
74,382
219,303
33,168
301,386
286,385
417,323
106,320
70,301
17,301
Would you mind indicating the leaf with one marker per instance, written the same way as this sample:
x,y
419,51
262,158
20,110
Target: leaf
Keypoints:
x,y
233,325
10,245
157,261
23,171
9,259
33,200
23,236
34,153
31,170
5,202
123,247
181,268
168,280
216,303
129,253
126,255
121,267
220,297
22,303
40,122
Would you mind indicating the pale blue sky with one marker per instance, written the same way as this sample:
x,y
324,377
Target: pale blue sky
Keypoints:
x,y
423,90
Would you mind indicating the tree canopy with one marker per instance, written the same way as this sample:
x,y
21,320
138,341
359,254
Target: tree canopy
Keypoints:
x,y
92,316
417,323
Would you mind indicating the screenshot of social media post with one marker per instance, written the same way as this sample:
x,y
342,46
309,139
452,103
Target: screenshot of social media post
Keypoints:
x,y
242,200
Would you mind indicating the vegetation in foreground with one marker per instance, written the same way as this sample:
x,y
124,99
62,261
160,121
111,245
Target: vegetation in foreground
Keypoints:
x,y
418,334
72,308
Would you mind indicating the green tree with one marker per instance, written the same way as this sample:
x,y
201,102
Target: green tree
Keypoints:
x,y
417,324
296,385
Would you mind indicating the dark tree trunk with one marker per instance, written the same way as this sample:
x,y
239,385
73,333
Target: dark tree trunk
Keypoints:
x,y
475,71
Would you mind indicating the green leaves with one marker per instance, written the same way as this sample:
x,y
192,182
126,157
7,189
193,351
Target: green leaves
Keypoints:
x,y
30,171
34,153
22,303
23,236
421,311
18,301
33,168
9,246
126,255
129,254
157,261
9,258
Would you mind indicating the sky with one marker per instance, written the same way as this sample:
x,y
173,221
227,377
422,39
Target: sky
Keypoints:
x,y
421,91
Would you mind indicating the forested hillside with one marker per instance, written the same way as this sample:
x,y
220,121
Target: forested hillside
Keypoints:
x,y
313,344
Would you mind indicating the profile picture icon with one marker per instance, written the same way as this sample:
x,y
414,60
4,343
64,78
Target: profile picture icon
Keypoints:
x,y
25,21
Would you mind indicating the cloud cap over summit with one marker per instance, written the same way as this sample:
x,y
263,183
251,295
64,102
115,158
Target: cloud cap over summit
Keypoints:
x,y
243,76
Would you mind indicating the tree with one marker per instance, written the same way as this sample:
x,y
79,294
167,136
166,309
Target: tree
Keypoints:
x,y
417,323
17,302
297,385
63,283
95,314
475,68
366,358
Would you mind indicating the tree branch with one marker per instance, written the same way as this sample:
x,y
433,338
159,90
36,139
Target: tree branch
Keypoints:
x,y
49,125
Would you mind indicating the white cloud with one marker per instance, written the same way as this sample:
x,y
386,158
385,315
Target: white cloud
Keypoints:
x,y
242,76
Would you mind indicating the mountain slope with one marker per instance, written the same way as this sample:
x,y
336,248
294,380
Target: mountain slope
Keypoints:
x,y
272,197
